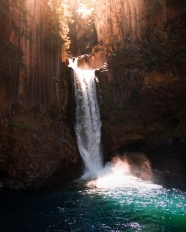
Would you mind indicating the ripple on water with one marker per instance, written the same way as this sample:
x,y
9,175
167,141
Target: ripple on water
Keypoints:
x,y
150,207
84,207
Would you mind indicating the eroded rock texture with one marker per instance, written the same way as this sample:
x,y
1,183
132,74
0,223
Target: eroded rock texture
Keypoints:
x,y
143,92
37,143
120,21
37,151
145,40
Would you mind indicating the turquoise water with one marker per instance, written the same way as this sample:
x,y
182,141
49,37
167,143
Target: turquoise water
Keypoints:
x,y
82,206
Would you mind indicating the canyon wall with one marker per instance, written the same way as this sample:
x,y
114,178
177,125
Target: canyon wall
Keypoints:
x,y
34,75
118,22
37,142
143,90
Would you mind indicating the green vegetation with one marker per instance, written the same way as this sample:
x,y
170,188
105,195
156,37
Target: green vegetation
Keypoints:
x,y
53,38
58,26
155,51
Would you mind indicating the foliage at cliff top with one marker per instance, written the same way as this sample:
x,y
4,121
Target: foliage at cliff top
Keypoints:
x,y
61,8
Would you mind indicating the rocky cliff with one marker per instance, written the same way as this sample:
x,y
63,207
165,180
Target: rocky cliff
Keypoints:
x,y
143,90
143,87
30,55
37,143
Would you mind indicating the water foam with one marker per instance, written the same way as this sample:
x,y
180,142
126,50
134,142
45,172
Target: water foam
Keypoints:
x,y
121,170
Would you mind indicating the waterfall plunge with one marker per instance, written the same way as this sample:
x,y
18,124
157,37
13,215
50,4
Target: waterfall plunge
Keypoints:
x,y
119,172
88,124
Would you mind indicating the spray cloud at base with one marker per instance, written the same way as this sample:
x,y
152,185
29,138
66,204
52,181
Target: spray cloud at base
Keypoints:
x,y
88,131
129,169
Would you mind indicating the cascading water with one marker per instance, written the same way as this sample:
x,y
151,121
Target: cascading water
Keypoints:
x,y
88,124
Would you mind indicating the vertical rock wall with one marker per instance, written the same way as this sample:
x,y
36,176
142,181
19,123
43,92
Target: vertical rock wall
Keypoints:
x,y
37,144
143,90
38,83
119,21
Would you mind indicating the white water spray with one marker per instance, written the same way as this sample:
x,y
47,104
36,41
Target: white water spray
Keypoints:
x,y
121,171
88,124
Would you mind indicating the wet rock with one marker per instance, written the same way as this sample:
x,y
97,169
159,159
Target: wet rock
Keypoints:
x,y
95,60
37,152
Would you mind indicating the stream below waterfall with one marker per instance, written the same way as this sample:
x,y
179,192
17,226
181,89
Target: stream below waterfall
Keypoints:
x,y
82,206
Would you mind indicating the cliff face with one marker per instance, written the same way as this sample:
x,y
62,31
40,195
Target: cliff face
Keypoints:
x,y
145,82
143,91
37,151
34,75
120,21
37,146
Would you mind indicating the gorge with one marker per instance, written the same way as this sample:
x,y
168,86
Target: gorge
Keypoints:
x,y
93,115
138,51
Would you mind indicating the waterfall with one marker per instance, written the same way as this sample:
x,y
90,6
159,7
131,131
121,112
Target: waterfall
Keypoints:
x,y
88,124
